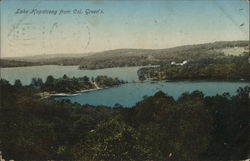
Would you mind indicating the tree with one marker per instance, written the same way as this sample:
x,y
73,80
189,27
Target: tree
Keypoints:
x,y
50,82
18,83
36,83
86,79
112,141
65,76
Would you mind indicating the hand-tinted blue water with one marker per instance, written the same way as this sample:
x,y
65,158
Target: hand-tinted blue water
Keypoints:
x,y
25,74
129,94
126,95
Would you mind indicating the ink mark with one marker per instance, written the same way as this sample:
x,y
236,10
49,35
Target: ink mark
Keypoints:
x,y
54,26
22,19
89,38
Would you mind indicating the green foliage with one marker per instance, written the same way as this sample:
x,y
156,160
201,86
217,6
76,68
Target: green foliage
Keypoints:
x,y
18,83
32,129
194,127
181,128
112,141
230,133
215,69
73,85
36,83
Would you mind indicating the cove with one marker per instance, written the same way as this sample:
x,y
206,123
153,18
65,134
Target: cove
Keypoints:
x,y
129,94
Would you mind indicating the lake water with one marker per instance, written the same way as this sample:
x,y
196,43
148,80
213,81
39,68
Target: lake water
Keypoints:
x,y
25,74
127,94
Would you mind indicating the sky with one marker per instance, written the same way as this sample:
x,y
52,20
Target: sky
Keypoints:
x,y
148,24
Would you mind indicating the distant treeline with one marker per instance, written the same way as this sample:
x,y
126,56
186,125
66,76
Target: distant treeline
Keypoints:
x,y
158,128
231,68
14,63
133,57
66,84
137,57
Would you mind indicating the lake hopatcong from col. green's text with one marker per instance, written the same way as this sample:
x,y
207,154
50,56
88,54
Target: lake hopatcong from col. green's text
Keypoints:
x,y
126,95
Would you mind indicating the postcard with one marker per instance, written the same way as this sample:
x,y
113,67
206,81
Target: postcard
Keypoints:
x,y
124,80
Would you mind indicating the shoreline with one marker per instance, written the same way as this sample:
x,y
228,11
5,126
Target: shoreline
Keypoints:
x,y
45,94
196,80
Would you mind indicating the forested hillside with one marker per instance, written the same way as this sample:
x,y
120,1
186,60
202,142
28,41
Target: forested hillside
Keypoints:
x,y
136,57
230,68
158,128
